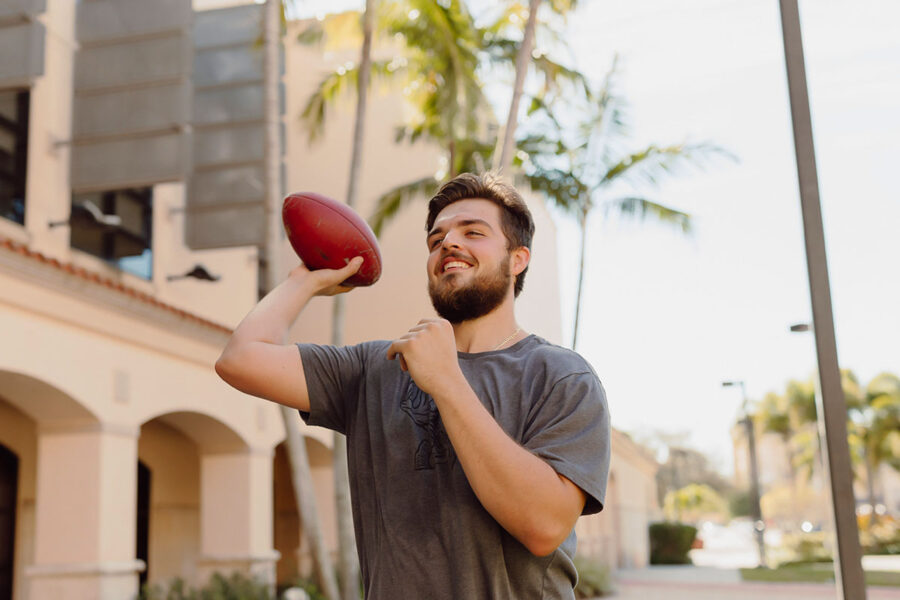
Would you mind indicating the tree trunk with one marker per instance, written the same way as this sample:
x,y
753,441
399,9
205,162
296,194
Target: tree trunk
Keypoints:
x,y
795,504
348,561
452,166
299,461
506,143
583,223
306,504
870,483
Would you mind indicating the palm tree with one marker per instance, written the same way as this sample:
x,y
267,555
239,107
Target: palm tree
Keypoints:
x,y
348,560
438,69
775,415
582,167
800,397
503,157
301,475
875,423
438,72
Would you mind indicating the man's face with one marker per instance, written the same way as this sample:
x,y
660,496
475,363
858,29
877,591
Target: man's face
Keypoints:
x,y
468,263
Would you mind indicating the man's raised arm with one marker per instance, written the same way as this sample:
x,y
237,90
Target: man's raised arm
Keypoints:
x,y
258,359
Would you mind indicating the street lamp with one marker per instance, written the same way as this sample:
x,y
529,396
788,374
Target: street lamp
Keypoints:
x,y
759,526
833,416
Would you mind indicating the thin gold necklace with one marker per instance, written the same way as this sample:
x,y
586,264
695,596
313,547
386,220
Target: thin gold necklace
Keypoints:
x,y
518,329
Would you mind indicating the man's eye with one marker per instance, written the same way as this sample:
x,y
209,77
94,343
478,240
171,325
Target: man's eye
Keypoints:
x,y
474,233
434,243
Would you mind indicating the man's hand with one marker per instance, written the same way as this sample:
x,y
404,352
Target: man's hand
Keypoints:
x,y
428,352
327,282
522,492
257,359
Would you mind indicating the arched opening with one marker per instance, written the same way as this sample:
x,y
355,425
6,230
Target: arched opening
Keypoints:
x,y
42,401
142,552
9,486
170,447
296,560
22,400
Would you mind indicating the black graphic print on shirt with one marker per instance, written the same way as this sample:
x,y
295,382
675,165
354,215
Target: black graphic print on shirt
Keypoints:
x,y
433,445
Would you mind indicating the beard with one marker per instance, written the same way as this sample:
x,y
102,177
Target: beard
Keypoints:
x,y
481,296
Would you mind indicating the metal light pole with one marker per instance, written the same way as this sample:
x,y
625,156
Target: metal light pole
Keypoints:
x,y
831,404
759,526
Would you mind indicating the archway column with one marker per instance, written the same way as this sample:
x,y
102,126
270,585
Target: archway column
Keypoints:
x,y
85,513
236,514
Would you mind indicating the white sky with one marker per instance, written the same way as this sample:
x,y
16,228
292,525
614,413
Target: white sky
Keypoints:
x,y
667,319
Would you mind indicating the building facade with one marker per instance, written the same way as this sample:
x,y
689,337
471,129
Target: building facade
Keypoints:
x,y
123,458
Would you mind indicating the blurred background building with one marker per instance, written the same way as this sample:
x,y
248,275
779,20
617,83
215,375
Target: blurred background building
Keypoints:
x,y
792,484
131,144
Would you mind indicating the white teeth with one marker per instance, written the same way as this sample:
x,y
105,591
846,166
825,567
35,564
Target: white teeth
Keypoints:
x,y
456,265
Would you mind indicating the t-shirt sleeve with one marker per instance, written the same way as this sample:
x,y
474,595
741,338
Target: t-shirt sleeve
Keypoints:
x,y
569,428
333,377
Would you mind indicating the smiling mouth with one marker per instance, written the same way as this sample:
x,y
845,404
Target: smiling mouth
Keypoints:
x,y
455,265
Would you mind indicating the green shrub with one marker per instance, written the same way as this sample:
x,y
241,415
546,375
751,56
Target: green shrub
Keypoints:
x,y
739,504
805,548
311,589
219,587
593,579
670,543
879,536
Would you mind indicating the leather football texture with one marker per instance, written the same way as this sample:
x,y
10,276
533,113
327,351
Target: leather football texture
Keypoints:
x,y
326,234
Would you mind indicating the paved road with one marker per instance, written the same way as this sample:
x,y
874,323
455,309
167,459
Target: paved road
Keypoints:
x,y
704,583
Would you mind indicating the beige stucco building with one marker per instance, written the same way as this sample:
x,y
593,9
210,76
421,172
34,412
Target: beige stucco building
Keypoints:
x,y
123,457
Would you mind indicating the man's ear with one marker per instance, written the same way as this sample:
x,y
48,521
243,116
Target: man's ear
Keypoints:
x,y
519,259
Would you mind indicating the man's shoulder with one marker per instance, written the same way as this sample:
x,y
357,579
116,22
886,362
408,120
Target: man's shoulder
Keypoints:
x,y
557,358
373,346
363,352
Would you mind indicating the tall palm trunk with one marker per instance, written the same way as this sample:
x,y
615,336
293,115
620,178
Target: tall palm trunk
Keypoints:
x,y
503,159
301,477
299,461
451,147
348,561
792,471
583,224
870,482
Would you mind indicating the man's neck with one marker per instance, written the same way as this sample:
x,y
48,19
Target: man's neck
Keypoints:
x,y
492,331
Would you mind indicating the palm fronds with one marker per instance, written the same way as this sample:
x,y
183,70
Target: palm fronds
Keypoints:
x,y
638,208
336,83
389,204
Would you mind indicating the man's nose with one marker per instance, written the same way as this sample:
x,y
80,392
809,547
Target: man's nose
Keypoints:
x,y
451,240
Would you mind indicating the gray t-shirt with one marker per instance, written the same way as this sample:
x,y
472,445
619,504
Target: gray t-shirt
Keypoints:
x,y
421,531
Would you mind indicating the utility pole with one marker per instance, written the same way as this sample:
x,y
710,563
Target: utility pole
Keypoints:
x,y
831,405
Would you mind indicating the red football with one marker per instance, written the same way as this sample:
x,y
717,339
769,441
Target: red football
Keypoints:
x,y
326,234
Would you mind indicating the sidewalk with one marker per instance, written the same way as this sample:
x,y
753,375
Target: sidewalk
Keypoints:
x,y
706,583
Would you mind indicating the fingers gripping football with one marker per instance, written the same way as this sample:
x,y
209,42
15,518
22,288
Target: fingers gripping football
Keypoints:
x,y
328,282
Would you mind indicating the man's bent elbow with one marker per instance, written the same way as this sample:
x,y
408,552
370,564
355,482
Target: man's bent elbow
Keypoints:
x,y
545,541
225,366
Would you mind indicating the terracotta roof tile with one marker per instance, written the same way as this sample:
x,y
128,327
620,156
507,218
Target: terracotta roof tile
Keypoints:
x,y
98,279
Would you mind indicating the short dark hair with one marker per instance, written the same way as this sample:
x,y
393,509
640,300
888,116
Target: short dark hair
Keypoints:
x,y
516,221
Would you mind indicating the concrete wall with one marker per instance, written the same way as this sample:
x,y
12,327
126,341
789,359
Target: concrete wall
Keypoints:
x,y
618,536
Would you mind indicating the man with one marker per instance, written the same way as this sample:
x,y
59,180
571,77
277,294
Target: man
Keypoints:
x,y
473,446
